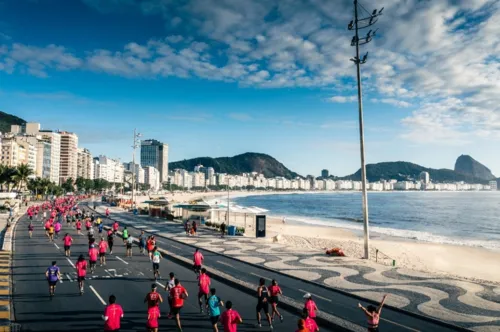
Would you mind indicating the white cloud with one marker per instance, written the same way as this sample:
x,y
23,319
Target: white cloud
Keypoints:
x,y
175,38
392,101
240,116
342,99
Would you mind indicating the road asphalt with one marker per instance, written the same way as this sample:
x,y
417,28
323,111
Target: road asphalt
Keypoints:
x,y
129,279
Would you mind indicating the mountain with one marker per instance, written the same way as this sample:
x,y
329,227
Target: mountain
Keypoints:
x,y
469,166
243,163
6,120
405,171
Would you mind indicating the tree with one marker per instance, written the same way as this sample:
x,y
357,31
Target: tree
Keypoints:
x,y
80,183
88,185
67,186
23,172
144,186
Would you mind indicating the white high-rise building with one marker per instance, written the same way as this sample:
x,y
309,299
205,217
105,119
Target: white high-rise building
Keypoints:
x,y
108,169
425,177
10,152
152,177
49,136
69,156
85,165
494,185
43,159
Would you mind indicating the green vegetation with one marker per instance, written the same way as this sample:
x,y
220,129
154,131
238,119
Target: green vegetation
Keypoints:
x,y
243,163
6,120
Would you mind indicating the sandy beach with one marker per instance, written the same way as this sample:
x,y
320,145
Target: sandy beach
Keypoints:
x,y
471,263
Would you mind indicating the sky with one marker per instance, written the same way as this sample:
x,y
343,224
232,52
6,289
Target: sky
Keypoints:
x,y
223,77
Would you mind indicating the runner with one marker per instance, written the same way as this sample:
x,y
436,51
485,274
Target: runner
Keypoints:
x,y
301,324
214,304
310,305
178,294
204,287
88,224
92,217
153,298
373,314
275,291
310,323
125,235
150,245
263,303
57,229
68,219
107,213
68,240
142,242
51,232
47,227
170,284
112,315
53,275
156,263
78,227
103,247
93,253
115,226
194,227
110,241
128,245
81,272
230,318
100,226
30,229
153,315
198,260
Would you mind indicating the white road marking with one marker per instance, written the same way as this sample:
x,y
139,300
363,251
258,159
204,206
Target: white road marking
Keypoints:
x,y
255,274
140,226
61,280
69,278
226,264
115,274
97,294
397,324
152,230
321,297
178,247
160,284
56,246
69,260
121,260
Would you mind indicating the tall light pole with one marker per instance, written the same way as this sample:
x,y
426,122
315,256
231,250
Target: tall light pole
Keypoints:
x,y
357,24
134,146
228,201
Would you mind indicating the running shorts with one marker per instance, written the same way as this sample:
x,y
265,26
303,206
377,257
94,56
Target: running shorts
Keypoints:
x,y
263,306
176,310
156,266
81,279
52,283
67,248
102,254
214,319
274,299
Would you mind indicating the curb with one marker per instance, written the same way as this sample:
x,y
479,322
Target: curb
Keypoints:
x,y
409,313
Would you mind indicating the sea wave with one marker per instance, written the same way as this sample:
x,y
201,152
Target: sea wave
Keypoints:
x,y
421,236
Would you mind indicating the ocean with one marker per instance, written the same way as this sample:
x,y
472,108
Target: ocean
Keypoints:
x,y
462,218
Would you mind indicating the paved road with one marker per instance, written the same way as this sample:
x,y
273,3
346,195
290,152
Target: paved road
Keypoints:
x,y
329,301
129,279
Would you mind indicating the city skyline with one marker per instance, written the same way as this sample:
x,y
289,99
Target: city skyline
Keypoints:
x,y
212,80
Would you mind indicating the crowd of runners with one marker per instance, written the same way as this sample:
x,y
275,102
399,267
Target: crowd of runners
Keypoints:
x,y
55,212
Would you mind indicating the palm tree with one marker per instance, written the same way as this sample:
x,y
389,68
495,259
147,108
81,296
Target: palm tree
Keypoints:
x,y
23,172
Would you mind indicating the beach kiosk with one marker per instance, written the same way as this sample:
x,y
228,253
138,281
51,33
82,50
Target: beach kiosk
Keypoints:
x,y
157,208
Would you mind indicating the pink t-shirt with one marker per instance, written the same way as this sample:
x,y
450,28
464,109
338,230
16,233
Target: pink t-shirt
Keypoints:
x,y
114,312
57,227
81,268
67,240
204,283
228,320
153,315
311,324
103,246
311,307
198,258
93,254
115,226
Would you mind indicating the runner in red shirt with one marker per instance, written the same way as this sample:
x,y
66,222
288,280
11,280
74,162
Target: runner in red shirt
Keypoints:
x,y
178,294
310,305
153,298
274,293
81,272
230,318
78,227
153,315
115,226
103,247
204,288
112,315
198,260
93,254
67,244
310,323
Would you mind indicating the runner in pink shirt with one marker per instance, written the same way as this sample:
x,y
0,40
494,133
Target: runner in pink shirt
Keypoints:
x,y
198,260
310,323
93,253
204,288
153,315
67,244
81,272
115,226
230,318
112,315
103,247
310,305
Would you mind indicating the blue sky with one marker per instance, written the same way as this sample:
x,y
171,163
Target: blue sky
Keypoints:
x,y
223,77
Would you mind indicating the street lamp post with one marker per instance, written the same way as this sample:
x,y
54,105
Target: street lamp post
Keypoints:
x,y
134,146
357,24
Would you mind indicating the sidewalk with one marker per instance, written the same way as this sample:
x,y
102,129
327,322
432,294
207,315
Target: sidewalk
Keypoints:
x,y
464,303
